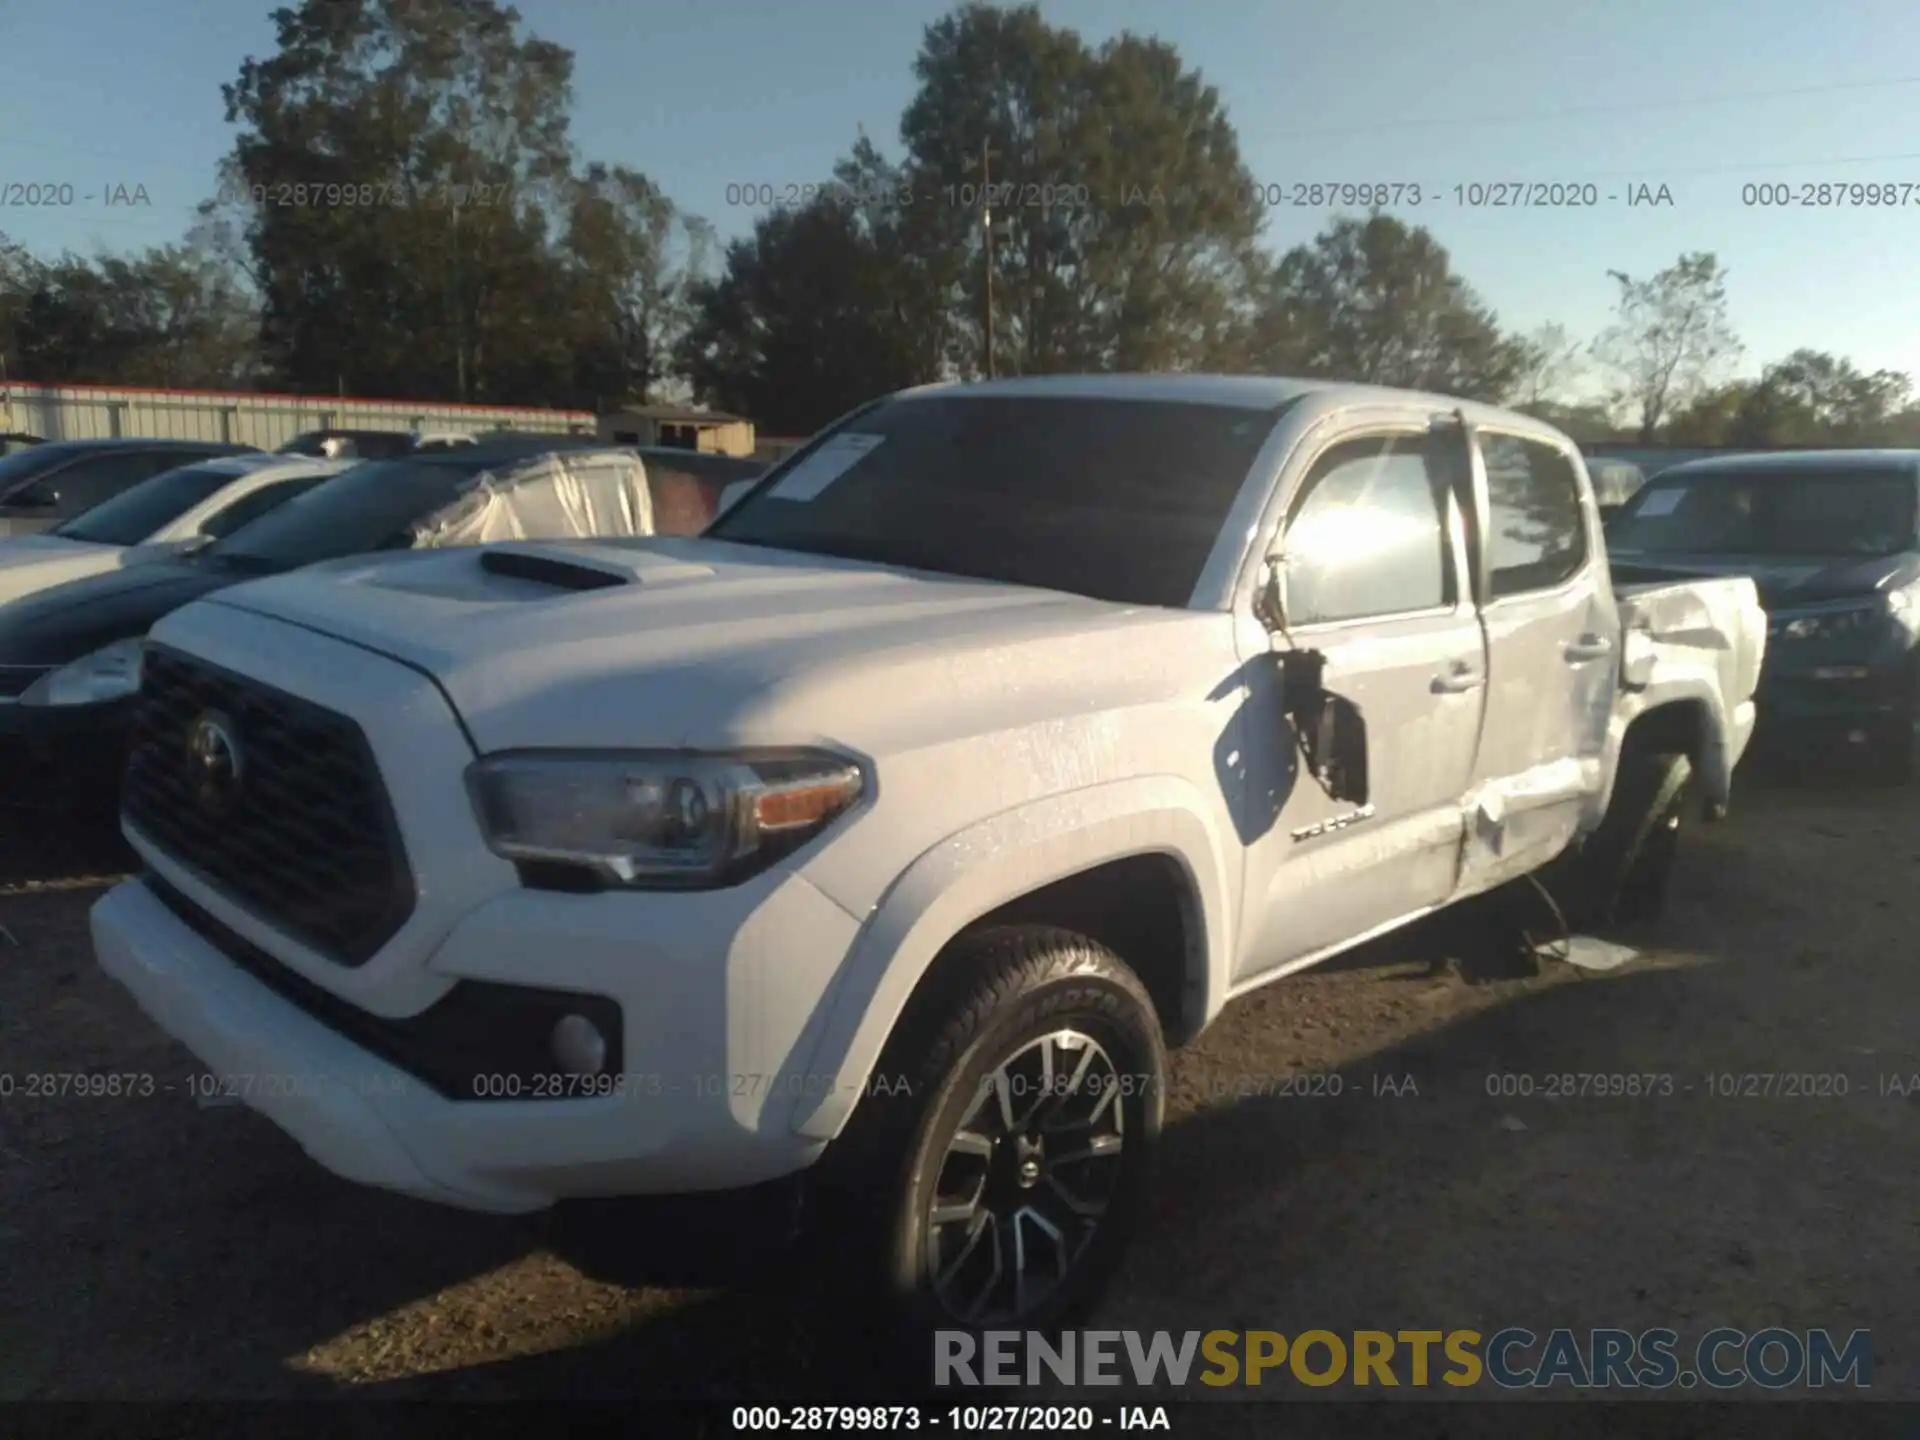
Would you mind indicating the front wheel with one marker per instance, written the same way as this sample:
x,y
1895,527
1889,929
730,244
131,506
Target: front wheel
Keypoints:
x,y
998,1187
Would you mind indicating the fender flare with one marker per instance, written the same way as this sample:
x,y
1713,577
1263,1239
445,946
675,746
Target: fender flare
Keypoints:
x,y
1715,766
976,871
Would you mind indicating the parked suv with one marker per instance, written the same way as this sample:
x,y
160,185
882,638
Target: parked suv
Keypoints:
x,y
1832,539
882,838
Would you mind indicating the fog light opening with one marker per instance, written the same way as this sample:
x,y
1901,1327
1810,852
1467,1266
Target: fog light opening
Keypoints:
x,y
578,1046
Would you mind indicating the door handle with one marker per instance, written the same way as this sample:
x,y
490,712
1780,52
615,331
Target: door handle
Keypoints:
x,y
1588,647
1460,678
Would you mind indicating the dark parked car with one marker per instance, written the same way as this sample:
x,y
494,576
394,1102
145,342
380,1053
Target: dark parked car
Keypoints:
x,y
70,656
1832,540
45,484
12,442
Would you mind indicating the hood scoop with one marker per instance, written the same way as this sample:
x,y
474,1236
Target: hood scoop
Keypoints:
x,y
547,570
590,564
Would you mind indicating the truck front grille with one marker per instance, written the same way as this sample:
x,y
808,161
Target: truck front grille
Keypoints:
x,y
272,800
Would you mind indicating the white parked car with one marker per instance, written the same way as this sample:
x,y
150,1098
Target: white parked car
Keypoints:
x,y
886,834
172,513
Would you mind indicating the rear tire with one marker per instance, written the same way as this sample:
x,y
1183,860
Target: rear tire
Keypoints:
x,y
1620,873
999,1185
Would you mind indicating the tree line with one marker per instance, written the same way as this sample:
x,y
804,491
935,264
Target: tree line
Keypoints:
x,y
403,214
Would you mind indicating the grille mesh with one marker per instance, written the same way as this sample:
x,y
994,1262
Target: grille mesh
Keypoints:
x,y
305,838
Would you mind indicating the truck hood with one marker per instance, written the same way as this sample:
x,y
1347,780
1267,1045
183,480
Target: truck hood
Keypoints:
x,y
674,641
1784,583
34,562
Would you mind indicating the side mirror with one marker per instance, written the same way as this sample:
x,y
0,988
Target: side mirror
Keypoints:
x,y
1331,729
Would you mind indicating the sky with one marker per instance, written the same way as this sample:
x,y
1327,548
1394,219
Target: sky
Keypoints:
x,y
120,99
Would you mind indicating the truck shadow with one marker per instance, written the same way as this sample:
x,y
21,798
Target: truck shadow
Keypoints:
x,y
1278,1213
1414,1191
300,1259
1419,1185
1269,1211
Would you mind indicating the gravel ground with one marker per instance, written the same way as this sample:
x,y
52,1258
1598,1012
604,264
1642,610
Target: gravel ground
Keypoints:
x,y
155,1249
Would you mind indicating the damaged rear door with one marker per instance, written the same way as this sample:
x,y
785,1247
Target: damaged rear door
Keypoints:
x,y
1552,634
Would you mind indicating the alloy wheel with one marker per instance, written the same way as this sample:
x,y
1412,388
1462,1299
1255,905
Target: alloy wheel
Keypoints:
x,y
1026,1178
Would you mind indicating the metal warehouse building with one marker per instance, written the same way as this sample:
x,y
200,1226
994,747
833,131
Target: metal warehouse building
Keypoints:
x,y
87,412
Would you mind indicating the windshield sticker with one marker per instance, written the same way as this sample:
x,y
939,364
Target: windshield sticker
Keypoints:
x,y
826,465
1661,502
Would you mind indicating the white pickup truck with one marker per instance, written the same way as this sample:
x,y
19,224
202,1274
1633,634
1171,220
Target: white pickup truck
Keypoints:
x,y
891,830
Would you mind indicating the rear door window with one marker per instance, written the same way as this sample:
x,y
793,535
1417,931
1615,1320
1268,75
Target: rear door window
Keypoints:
x,y
1536,528
99,478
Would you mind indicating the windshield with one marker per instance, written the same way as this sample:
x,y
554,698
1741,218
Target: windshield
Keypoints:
x,y
373,506
132,516
1836,512
24,466
1113,499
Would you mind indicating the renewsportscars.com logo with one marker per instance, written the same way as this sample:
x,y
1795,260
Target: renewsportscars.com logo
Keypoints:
x,y
1511,1359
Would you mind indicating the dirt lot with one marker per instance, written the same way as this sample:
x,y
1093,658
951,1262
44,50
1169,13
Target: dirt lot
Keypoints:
x,y
151,1248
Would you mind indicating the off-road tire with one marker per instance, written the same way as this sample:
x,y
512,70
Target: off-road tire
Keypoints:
x,y
995,993
1619,873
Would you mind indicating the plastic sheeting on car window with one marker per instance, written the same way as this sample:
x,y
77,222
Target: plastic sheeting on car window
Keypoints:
x,y
547,497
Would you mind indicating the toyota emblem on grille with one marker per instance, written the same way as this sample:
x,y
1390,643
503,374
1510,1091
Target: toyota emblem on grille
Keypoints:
x,y
213,762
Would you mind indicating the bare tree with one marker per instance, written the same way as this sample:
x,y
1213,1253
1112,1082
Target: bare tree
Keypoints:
x,y
1671,339
1553,363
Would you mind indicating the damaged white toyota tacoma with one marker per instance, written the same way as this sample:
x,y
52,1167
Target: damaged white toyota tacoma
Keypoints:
x,y
882,838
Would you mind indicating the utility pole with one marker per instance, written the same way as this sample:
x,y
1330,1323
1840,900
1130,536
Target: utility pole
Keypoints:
x,y
986,196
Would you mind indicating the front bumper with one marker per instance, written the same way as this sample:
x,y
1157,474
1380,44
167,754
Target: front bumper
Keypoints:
x,y
708,1089
721,994
1860,679
63,757
1838,695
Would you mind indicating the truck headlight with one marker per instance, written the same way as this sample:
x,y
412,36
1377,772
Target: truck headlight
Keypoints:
x,y
655,820
109,673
